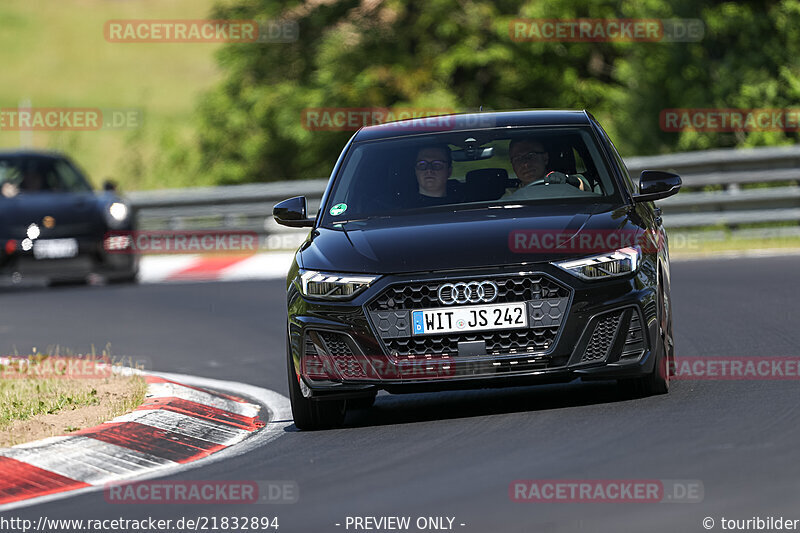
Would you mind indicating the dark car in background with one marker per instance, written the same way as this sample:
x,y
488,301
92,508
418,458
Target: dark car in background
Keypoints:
x,y
507,279
53,225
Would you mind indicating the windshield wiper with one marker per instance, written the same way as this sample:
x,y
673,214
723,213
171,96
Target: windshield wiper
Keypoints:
x,y
363,219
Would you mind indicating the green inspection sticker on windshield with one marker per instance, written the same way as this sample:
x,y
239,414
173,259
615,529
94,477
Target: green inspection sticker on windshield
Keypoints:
x,y
338,209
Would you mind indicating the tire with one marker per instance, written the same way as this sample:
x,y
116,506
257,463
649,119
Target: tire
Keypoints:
x,y
74,282
669,339
657,381
311,414
128,279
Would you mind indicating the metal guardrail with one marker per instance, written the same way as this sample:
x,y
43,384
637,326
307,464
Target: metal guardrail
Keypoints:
x,y
776,168
249,207
734,166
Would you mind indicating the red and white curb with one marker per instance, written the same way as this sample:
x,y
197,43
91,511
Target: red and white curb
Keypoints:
x,y
181,424
187,268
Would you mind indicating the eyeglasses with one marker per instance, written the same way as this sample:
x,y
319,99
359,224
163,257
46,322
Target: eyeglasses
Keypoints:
x,y
433,165
526,158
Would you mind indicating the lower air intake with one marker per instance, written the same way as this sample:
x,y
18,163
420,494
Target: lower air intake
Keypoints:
x,y
602,340
634,340
339,351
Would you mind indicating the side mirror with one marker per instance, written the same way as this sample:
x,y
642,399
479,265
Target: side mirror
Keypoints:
x,y
109,186
292,213
657,185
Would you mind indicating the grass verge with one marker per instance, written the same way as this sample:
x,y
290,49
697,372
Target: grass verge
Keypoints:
x,y
701,248
41,397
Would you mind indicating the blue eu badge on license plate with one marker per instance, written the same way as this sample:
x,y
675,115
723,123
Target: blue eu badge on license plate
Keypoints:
x,y
418,324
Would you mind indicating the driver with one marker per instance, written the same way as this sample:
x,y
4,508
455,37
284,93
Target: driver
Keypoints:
x,y
529,160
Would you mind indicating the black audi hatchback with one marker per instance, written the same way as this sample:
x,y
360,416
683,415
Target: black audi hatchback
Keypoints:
x,y
54,227
477,250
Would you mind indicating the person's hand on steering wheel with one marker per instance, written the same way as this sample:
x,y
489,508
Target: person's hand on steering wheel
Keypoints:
x,y
559,178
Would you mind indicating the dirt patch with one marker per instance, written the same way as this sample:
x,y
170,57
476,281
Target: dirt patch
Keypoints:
x,y
99,400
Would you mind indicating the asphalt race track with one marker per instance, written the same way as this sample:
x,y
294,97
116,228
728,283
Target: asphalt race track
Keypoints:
x,y
455,454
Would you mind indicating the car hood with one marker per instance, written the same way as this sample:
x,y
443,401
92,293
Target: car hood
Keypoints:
x,y
463,239
67,210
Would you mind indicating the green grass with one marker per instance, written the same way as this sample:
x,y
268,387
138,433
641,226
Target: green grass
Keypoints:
x,y
22,399
33,386
55,54
732,244
137,388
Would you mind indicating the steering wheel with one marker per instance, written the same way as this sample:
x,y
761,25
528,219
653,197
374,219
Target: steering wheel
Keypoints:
x,y
537,182
569,180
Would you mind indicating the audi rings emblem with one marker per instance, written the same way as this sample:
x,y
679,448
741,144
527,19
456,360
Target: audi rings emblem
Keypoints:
x,y
473,292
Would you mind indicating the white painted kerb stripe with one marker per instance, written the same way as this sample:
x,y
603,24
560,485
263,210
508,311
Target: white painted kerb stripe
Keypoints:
x,y
268,265
190,426
88,460
261,266
280,418
166,390
153,269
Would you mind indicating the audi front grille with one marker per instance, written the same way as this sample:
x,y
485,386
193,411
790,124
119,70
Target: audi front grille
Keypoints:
x,y
424,295
547,301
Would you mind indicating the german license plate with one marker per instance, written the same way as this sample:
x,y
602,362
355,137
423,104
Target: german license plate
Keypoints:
x,y
55,248
469,318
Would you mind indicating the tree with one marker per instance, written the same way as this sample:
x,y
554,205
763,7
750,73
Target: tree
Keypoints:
x,y
458,54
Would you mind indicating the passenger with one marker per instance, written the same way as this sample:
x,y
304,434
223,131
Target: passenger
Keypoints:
x,y
433,167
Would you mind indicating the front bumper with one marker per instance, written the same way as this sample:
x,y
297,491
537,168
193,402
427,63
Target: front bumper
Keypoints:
x,y
91,258
597,330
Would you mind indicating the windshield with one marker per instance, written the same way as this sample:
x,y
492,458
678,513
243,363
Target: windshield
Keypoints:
x,y
469,169
33,175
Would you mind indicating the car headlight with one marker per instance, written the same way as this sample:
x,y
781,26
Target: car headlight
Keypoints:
x,y
118,211
116,214
603,266
332,286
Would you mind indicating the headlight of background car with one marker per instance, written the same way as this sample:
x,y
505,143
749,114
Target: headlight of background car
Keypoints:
x,y
332,286
603,266
116,213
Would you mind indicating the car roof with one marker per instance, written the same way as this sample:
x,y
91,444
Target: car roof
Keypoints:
x,y
475,121
25,152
